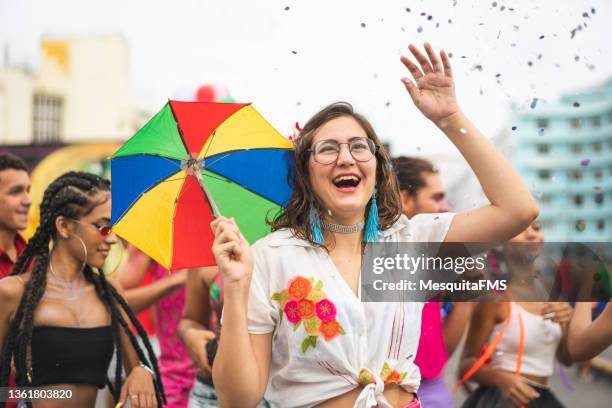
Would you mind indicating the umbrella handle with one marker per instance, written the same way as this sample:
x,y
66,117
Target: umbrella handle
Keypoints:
x,y
213,205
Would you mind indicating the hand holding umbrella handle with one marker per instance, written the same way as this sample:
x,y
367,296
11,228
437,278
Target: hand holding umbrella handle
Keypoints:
x,y
232,251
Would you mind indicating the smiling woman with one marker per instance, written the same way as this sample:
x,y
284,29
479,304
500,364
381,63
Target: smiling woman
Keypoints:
x,y
293,320
60,318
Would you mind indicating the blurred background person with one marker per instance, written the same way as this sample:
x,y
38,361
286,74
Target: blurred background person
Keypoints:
x,y
422,191
166,294
522,338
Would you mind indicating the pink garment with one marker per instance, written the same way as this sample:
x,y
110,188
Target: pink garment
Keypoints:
x,y
175,366
431,353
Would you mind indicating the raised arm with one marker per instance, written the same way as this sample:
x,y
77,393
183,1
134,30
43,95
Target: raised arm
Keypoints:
x,y
587,339
237,348
512,208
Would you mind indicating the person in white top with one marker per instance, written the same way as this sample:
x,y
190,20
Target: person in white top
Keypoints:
x,y
294,328
525,338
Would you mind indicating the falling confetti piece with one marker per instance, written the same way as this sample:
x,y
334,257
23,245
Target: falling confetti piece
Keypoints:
x,y
437,25
541,37
513,45
436,217
539,56
534,102
592,11
388,104
407,10
576,58
502,8
462,130
450,55
541,132
585,162
423,13
494,4
429,18
514,128
287,8
497,75
576,104
477,67
363,25
419,29
450,21
586,15
529,63
294,52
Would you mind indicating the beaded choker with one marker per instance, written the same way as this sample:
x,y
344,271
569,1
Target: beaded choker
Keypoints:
x,y
342,229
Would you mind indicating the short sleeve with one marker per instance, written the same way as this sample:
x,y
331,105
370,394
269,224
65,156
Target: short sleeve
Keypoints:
x,y
430,227
262,312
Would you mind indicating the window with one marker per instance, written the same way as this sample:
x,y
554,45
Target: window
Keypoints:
x,y
599,198
580,225
575,123
541,123
601,225
596,121
543,148
575,175
46,118
576,148
544,174
578,200
596,146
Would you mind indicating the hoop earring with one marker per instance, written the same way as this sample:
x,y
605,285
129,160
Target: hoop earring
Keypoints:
x,y
371,228
84,249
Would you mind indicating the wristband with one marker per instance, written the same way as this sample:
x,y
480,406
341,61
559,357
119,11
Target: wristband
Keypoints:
x,y
146,367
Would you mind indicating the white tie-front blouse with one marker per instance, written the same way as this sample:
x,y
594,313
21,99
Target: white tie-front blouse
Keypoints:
x,y
326,341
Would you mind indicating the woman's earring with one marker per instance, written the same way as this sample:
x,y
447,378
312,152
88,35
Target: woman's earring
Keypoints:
x,y
371,228
315,225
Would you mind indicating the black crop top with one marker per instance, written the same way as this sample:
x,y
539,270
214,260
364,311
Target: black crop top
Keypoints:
x,y
70,355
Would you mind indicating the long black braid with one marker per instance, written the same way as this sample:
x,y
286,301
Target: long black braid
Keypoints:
x,y
72,196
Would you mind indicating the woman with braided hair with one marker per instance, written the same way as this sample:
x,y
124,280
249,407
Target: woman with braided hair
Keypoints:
x,y
60,318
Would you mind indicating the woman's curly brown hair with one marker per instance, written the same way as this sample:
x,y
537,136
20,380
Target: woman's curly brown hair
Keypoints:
x,y
296,215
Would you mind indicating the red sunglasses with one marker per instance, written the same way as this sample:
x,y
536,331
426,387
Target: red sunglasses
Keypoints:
x,y
103,230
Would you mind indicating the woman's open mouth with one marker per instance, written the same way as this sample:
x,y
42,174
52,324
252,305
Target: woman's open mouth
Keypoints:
x,y
347,183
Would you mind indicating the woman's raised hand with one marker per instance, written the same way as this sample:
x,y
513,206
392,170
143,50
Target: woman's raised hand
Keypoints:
x,y
434,92
231,250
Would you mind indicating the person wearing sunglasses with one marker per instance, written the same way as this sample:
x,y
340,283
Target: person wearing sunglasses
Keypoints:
x,y
294,329
61,320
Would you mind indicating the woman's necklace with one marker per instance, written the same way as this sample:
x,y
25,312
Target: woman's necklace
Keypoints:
x,y
342,229
73,292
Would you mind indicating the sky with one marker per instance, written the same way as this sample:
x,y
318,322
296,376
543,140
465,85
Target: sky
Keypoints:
x,y
293,57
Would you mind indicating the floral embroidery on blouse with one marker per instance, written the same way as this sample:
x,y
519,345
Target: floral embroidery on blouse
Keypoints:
x,y
390,377
307,305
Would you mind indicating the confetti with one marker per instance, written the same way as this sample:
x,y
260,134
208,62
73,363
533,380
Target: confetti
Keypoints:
x,y
294,52
407,10
541,132
463,131
539,56
586,15
576,58
497,75
534,102
585,162
437,25
287,8
419,29
541,37
592,11
450,21
430,17
423,13
363,25
514,128
513,45
502,8
576,104
477,67
494,4
387,104
529,63
450,55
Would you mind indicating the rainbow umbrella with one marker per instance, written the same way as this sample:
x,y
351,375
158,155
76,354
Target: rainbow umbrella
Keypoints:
x,y
192,162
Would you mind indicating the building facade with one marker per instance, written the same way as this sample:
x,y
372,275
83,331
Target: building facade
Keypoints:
x,y
564,152
82,92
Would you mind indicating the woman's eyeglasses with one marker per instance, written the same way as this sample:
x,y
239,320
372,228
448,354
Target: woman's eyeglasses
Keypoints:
x,y
327,151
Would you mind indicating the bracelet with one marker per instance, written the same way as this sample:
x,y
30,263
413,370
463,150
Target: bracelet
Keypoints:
x,y
146,367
